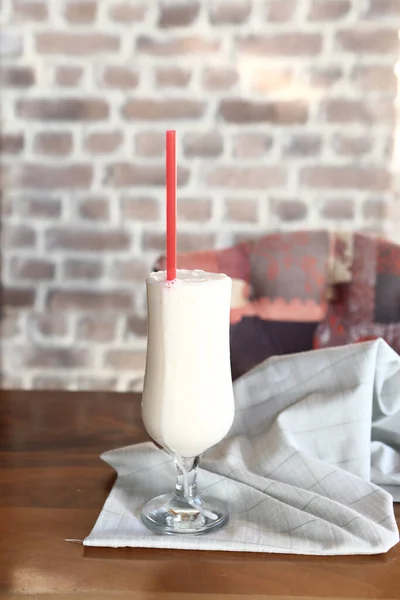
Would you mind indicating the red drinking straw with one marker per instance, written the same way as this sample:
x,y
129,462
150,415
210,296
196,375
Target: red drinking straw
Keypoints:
x,y
171,203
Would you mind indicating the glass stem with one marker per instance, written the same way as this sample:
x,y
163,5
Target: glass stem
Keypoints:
x,y
186,477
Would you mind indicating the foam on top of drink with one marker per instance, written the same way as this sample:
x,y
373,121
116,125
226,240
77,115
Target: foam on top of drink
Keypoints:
x,y
185,276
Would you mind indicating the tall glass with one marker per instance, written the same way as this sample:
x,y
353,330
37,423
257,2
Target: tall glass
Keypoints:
x,y
187,403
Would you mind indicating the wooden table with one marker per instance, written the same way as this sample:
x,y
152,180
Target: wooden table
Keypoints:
x,y
53,485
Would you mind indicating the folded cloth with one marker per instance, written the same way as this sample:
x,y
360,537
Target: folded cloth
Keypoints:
x,y
314,437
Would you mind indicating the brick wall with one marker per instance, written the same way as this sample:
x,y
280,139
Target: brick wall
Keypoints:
x,y
285,116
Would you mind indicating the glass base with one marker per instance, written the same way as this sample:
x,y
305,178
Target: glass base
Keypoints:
x,y
169,514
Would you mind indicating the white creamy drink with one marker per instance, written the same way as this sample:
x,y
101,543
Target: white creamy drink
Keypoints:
x,y
187,404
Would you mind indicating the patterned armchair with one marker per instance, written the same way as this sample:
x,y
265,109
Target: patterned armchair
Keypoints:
x,y
293,292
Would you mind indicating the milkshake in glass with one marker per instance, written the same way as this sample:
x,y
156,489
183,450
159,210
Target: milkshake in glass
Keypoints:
x,y
187,404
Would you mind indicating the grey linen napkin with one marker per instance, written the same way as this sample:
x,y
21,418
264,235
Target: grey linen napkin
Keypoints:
x,y
315,441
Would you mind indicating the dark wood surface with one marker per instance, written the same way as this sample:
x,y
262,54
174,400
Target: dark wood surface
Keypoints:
x,y
53,485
